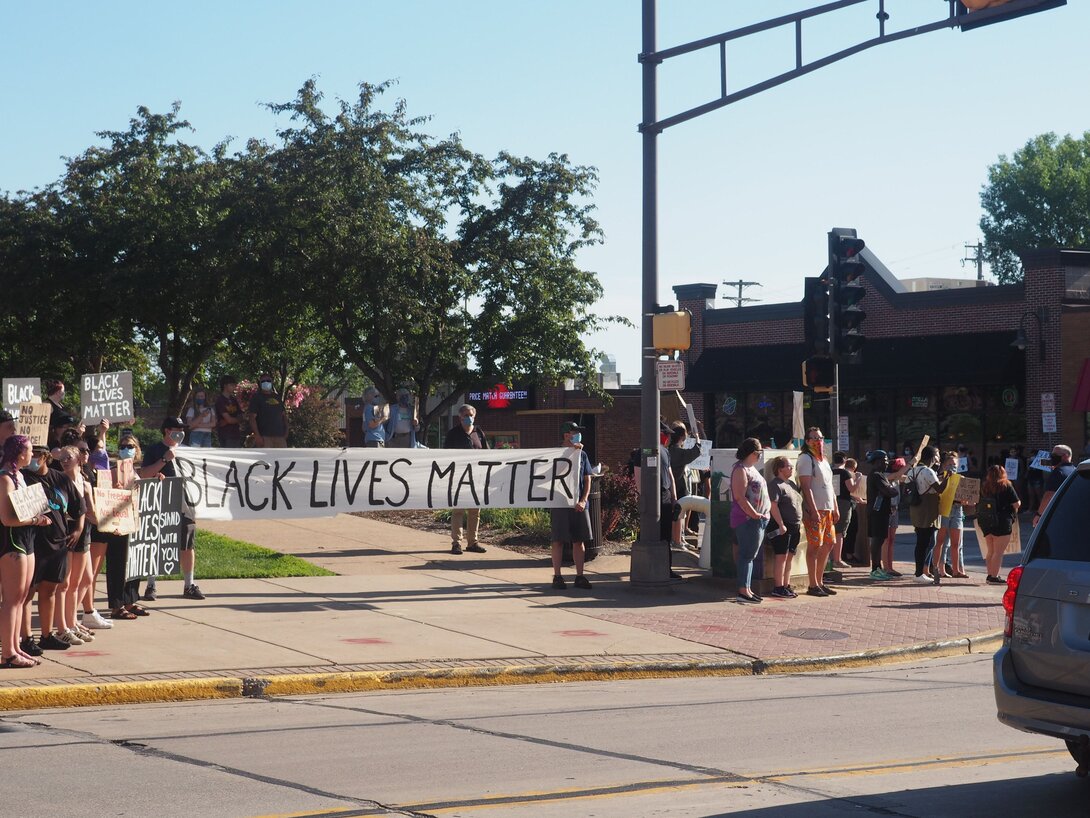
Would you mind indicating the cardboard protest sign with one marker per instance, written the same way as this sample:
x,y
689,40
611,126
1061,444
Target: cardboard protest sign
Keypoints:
x,y
1037,458
233,484
919,452
704,462
155,546
29,502
1011,465
116,509
18,391
34,422
963,465
106,395
968,491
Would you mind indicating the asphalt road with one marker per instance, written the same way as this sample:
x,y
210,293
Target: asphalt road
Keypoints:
x,y
900,740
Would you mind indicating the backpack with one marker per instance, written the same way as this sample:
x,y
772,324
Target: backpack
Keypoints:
x,y
910,491
987,512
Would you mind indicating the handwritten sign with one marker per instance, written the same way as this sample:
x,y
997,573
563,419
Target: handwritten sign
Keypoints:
x,y
1037,458
1011,465
18,391
106,395
29,502
968,491
155,546
116,510
34,422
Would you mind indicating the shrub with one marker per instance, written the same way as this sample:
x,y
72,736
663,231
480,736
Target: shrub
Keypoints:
x,y
620,507
315,424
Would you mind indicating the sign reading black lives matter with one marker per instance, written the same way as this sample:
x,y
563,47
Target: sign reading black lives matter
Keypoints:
x,y
249,484
155,547
21,390
106,395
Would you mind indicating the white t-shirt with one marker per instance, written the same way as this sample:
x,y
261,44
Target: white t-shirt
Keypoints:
x,y
925,479
821,483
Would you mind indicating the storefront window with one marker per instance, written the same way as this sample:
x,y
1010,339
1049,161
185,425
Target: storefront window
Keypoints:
x,y
917,416
729,419
764,416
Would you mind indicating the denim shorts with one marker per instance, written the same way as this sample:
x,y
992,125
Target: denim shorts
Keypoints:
x,y
956,520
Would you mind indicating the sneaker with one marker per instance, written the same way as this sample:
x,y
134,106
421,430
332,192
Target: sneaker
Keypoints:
x,y
816,590
828,591
753,599
879,574
82,633
558,583
192,592
995,580
677,546
893,573
28,646
923,579
150,595
95,621
69,638
581,582
51,642
476,549
456,549
780,592
841,564
790,592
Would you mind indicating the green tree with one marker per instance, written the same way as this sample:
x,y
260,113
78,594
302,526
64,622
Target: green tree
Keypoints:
x,y
1038,198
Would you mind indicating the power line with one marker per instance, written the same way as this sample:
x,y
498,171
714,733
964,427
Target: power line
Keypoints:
x,y
741,285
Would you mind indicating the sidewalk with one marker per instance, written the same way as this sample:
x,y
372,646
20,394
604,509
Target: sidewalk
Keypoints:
x,y
404,612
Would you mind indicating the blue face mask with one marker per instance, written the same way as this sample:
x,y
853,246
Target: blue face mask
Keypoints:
x,y
126,453
467,422
577,437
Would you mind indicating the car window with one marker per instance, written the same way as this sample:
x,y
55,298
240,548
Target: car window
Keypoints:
x,y
1066,532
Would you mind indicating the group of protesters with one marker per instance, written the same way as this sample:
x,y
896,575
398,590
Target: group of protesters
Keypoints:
x,y
55,556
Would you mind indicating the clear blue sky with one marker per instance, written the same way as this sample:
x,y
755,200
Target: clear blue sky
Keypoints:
x,y
894,142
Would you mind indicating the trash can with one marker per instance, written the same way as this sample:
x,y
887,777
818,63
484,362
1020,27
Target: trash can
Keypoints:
x,y
594,506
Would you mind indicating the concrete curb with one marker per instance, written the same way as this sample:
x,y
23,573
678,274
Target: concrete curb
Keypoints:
x,y
300,684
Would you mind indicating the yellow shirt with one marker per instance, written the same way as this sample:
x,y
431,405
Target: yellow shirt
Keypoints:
x,y
946,499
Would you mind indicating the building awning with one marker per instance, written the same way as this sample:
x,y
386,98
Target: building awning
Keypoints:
x,y
1082,390
962,359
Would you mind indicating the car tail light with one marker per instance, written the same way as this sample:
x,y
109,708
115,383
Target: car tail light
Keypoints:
x,y
1009,596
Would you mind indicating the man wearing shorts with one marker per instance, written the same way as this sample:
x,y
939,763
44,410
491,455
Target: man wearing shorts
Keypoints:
x,y
819,512
572,523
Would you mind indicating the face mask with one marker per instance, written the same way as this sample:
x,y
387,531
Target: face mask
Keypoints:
x,y
126,453
177,437
467,422
266,386
577,437
199,401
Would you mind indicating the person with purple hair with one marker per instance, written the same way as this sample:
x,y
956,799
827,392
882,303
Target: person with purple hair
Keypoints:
x,y
16,550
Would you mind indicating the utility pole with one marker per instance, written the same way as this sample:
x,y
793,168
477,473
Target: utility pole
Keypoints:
x,y
741,285
977,259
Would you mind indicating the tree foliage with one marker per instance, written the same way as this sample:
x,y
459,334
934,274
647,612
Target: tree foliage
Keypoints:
x,y
352,244
1038,198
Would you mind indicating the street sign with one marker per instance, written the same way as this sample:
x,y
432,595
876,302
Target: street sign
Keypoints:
x,y
670,375
1048,402
1048,422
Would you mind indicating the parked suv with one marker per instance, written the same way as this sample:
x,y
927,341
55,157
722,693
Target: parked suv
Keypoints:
x,y
1042,672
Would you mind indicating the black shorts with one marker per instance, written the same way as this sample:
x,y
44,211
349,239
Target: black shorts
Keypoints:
x,y
786,543
50,566
189,534
569,525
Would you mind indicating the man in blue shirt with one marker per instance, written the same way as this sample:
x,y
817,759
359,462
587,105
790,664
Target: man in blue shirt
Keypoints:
x,y
1061,468
572,523
375,415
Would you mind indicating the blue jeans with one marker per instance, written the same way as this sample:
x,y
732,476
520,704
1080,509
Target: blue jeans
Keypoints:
x,y
750,535
201,438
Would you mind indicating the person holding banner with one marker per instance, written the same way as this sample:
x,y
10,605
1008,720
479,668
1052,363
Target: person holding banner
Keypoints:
x,y
465,436
572,524
16,552
927,485
122,593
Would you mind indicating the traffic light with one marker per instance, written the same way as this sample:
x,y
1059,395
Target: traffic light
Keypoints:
x,y
815,316
819,373
976,13
845,315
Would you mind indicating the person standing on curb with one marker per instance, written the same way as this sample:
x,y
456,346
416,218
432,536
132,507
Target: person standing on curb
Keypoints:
x,y
881,493
924,511
465,435
819,510
1061,468
749,513
159,462
572,524
845,504
951,522
680,458
786,512
268,420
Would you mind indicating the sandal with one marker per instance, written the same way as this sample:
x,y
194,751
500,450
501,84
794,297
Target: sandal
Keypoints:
x,y
139,611
17,661
121,613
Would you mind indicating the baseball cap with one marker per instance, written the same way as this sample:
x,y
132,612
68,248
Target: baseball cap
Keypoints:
x,y
897,464
572,427
5,416
877,454
172,423
39,449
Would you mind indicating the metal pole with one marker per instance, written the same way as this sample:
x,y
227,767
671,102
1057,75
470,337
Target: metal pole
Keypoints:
x,y
650,555
834,403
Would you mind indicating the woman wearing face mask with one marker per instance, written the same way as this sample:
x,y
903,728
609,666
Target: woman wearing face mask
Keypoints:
x,y
403,424
267,417
121,593
201,420
375,415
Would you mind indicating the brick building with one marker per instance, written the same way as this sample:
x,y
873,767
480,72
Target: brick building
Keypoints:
x,y
944,362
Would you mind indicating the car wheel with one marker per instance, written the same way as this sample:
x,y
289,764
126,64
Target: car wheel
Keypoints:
x,y
1080,751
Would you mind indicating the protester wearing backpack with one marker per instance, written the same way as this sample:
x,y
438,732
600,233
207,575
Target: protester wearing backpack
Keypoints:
x,y
922,492
996,512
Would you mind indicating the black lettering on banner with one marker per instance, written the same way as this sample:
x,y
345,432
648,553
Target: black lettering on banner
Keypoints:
x,y
350,493
535,478
333,483
448,473
375,480
559,477
249,499
187,470
514,464
466,480
401,480
488,466
277,478
313,484
207,493
231,479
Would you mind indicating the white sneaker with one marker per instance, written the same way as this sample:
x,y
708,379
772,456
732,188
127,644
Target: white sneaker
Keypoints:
x,y
924,579
70,638
95,621
83,633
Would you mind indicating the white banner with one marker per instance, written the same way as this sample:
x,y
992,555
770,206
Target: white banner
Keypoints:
x,y
251,484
